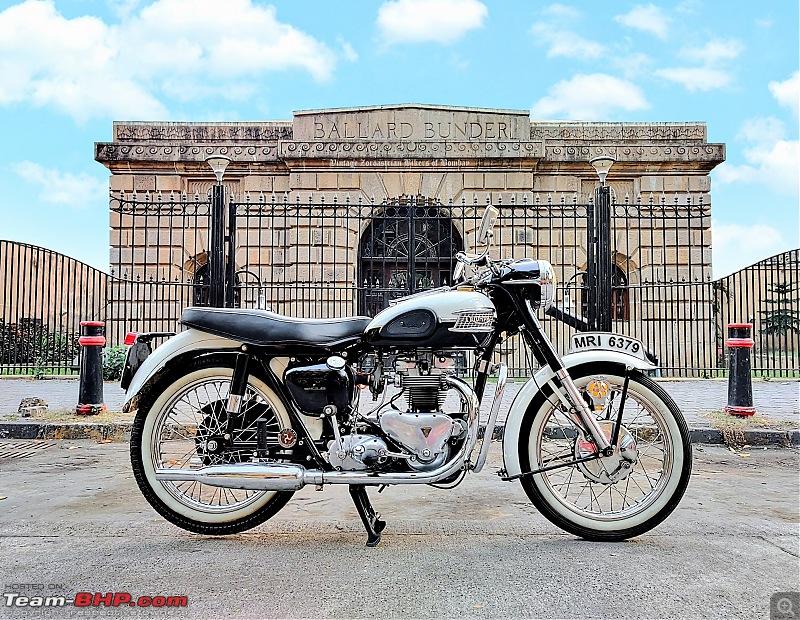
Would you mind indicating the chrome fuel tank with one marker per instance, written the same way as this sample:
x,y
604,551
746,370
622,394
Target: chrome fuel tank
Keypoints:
x,y
438,319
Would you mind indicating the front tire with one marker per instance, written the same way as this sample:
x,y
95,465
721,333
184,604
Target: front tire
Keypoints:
x,y
579,498
171,430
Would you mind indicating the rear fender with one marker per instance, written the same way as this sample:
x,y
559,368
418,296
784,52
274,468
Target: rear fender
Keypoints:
x,y
187,342
531,389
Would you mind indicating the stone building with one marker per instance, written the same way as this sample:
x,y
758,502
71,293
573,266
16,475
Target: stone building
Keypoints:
x,y
358,162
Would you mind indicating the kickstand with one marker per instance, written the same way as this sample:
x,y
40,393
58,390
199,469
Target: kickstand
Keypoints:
x,y
371,519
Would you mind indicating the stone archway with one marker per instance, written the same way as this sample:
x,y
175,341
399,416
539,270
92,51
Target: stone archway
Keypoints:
x,y
393,263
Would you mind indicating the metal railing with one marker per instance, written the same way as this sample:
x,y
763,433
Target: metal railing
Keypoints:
x,y
316,256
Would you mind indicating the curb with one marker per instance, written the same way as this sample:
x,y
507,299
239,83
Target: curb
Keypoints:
x,y
709,435
121,431
99,431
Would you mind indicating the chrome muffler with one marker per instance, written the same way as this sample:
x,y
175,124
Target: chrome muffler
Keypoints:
x,y
250,476
290,477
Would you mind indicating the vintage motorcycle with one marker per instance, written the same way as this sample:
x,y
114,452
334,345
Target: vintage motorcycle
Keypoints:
x,y
245,407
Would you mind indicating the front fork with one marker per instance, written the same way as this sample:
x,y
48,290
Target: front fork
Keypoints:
x,y
572,399
581,412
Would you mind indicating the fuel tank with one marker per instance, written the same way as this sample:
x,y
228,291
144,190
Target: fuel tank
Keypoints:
x,y
438,319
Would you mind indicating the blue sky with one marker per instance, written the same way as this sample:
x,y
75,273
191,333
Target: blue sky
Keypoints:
x,y
68,69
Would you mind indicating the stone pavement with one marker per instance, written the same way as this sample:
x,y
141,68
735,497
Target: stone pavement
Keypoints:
x,y
777,403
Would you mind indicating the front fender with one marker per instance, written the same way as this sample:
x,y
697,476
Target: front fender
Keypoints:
x,y
529,391
184,342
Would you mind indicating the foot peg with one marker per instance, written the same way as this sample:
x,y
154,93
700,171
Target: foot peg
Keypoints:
x,y
371,519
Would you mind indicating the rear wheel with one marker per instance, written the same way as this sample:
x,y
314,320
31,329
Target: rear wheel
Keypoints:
x,y
181,423
617,497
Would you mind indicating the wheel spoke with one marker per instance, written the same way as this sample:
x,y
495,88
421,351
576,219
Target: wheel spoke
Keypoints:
x,y
197,414
557,440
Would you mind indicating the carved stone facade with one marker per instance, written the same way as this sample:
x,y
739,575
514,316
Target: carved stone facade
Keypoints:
x,y
385,151
440,154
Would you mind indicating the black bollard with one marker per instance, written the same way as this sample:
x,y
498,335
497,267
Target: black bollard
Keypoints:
x,y
740,385
90,391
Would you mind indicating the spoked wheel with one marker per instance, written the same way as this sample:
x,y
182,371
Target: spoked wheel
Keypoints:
x,y
182,423
616,497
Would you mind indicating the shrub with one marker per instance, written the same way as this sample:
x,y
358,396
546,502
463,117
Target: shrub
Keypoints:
x,y
32,342
113,363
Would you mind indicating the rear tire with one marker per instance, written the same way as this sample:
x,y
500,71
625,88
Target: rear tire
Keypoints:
x,y
570,498
186,405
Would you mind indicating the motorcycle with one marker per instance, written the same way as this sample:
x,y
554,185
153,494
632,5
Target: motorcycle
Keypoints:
x,y
245,407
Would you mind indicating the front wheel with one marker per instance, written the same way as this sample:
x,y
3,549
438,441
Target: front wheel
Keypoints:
x,y
617,497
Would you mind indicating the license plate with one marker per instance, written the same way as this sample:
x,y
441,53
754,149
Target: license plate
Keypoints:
x,y
591,341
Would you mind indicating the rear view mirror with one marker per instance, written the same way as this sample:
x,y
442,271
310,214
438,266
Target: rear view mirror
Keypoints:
x,y
488,221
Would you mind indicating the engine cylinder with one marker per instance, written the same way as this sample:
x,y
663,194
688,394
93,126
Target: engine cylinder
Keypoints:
x,y
424,392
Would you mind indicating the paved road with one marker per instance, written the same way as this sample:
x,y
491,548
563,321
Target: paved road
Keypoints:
x,y
73,518
777,399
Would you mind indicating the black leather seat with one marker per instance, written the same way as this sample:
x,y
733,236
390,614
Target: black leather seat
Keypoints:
x,y
265,328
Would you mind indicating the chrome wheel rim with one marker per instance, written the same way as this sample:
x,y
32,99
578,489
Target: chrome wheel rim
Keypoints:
x,y
634,494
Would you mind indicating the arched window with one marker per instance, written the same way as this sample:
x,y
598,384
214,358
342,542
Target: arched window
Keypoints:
x,y
619,295
394,263
201,288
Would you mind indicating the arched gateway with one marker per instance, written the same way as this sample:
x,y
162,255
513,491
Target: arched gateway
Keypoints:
x,y
394,262
320,224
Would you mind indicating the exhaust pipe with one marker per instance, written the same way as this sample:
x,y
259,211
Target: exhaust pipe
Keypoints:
x,y
502,378
250,476
290,477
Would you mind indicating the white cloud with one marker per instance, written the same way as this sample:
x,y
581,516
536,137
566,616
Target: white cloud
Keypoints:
x,y
647,18
632,64
711,74
787,93
123,8
459,63
774,164
438,21
63,188
201,37
561,11
735,246
714,51
86,67
350,54
589,97
46,59
565,43
771,158
696,78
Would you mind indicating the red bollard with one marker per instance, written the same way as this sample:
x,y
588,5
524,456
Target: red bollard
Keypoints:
x,y
740,385
90,391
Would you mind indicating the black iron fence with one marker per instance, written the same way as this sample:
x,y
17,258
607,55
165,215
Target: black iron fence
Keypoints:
x,y
43,297
315,256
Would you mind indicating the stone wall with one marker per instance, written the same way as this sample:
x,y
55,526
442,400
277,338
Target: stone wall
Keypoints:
x,y
363,157
449,154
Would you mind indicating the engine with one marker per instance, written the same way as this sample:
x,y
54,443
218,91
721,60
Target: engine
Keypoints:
x,y
416,433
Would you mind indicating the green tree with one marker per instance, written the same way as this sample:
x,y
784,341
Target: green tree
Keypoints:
x,y
781,316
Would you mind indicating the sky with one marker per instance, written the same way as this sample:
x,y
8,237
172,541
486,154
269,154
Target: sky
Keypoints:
x,y
68,69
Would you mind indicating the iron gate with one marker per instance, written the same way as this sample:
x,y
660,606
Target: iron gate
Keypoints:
x,y
314,257
409,247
